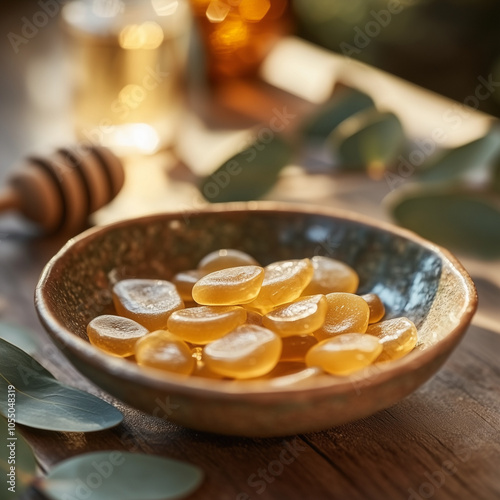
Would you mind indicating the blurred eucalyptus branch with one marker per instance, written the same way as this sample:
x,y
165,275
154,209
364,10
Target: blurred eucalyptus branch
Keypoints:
x,y
453,198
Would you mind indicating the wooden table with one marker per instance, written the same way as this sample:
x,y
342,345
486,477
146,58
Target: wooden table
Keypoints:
x,y
441,442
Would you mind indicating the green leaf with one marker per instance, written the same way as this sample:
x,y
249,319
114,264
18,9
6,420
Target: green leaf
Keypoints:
x,y
370,140
17,453
452,164
114,475
459,219
346,103
43,402
20,337
250,174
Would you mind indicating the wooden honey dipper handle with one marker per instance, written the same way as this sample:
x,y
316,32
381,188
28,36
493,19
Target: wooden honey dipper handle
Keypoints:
x,y
9,200
60,191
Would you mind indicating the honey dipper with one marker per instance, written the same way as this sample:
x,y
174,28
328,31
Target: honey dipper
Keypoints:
x,y
60,191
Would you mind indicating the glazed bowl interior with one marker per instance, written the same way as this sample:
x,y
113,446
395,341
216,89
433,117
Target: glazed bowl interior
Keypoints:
x,y
414,278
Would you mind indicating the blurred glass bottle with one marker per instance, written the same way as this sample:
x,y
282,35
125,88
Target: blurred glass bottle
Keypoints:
x,y
128,62
238,34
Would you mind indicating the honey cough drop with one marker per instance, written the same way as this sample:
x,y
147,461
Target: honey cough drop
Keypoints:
x,y
148,302
246,322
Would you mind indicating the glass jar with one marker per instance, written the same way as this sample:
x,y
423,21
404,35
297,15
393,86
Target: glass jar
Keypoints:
x,y
128,60
238,34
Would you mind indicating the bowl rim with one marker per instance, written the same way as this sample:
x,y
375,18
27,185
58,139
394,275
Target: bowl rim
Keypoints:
x,y
209,388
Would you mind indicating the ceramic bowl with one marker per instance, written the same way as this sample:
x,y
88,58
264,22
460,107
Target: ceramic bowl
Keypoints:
x,y
414,278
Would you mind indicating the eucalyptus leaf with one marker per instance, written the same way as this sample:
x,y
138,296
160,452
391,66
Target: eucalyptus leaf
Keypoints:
x,y
452,164
20,337
43,402
249,174
460,219
114,475
345,104
369,140
17,454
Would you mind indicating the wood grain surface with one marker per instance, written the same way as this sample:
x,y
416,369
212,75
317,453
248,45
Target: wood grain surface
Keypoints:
x,y
442,442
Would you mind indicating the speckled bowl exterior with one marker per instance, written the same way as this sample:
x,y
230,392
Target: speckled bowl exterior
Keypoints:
x,y
413,277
